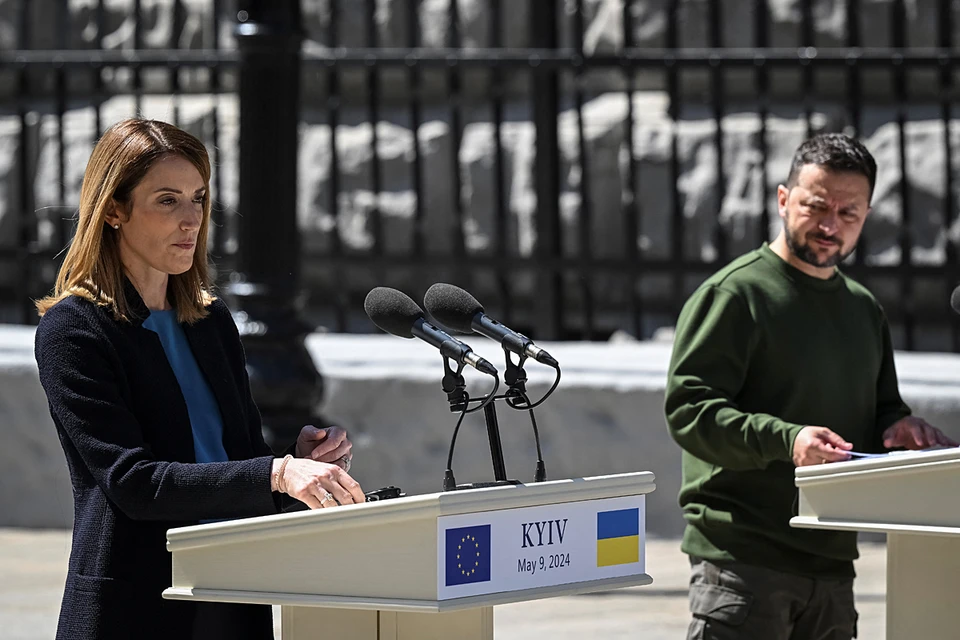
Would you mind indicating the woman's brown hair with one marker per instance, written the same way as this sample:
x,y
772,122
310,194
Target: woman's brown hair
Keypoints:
x,y
92,268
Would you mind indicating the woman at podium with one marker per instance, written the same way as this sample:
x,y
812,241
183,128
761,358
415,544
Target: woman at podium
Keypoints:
x,y
145,377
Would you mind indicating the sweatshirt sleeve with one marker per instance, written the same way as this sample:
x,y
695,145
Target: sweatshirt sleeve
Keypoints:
x,y
79,373
890,406
712,348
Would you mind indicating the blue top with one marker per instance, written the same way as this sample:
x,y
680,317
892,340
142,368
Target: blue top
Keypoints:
x,y
204,411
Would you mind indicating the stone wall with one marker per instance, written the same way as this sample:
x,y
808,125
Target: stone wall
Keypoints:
x,y
605,417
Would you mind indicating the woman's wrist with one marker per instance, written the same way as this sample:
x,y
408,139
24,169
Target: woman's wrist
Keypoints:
x,y
273,473
277,471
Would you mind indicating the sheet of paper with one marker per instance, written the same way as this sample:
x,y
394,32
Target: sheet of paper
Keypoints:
x,y
858,454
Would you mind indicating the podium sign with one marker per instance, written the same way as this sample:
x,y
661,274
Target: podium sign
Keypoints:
x,y
515,549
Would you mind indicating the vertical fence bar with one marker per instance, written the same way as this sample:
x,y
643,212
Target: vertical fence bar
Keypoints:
x,y
174,69
25,213
98,93
218,212
762,80
806,70
854,99
137,45
586,214
905,235
266,287
373,108
545,90
341,296
945,41
60,101
853,69
499,182
416,169
631,211
717,77
678,257
38,282
458,243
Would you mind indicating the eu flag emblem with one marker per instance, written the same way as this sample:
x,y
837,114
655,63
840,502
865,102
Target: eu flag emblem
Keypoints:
x,y
468,555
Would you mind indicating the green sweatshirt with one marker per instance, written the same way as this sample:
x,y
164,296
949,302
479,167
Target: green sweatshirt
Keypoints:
x,y
762,350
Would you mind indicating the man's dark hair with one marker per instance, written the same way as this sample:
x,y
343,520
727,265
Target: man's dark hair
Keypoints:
x,y
836,152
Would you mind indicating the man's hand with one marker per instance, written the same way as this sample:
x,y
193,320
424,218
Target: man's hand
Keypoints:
x,y
915,433
325,445
816,445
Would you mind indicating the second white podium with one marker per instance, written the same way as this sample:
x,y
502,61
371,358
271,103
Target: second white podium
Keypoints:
x,y
426,567
914,497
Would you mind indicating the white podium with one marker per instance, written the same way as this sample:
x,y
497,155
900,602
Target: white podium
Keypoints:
x,y
425,567
915,498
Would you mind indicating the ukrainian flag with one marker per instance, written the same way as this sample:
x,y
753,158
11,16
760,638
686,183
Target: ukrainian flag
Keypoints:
x,y
618,537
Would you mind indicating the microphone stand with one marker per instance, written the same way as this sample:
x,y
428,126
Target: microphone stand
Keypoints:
x,y
496,448
454,386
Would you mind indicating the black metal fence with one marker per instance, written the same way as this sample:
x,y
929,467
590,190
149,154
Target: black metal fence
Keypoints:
x,y
579,165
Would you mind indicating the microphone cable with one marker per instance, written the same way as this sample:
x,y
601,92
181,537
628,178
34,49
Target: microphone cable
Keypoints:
x,y
449,481
511,400
516,380
484,400
541,473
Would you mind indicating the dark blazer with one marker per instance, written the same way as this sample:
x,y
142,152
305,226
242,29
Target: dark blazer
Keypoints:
x,y
124,427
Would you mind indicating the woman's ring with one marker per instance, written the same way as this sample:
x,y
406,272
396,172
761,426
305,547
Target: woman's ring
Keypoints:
x,y
327,497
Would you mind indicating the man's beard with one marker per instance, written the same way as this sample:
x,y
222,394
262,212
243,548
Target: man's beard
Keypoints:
x,y
806,253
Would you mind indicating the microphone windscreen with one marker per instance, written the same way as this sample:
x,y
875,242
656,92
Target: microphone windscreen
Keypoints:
x,y
955,300
393,311
451,306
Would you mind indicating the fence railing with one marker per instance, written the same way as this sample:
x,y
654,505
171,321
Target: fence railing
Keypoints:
x,y
581,166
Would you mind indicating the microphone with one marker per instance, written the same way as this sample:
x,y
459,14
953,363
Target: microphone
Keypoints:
x,y
396,313
955,300
455,308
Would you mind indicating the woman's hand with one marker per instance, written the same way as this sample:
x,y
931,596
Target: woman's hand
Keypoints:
x,y
319,485
325,445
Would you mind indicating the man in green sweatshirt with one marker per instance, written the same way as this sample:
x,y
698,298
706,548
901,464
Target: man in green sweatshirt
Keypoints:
x,y
780,361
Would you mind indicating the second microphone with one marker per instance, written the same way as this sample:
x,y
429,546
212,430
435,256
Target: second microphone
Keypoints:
x,y
396,313
455,308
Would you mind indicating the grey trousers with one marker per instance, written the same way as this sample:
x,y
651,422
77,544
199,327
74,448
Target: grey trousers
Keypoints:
x,y
735,601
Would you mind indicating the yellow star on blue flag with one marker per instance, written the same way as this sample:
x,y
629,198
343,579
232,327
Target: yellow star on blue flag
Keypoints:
x,y
467,555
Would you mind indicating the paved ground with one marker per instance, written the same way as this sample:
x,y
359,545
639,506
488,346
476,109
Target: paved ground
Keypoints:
x,y
33,565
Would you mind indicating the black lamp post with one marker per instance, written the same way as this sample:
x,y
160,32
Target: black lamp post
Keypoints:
x,y
265,287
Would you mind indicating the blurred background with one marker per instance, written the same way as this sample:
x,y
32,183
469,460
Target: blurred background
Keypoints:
x,y
580,166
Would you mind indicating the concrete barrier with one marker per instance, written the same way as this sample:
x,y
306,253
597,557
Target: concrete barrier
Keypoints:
x,y
605,417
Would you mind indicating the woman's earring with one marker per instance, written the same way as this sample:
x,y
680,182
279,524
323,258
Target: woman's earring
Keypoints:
x,y
116,226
